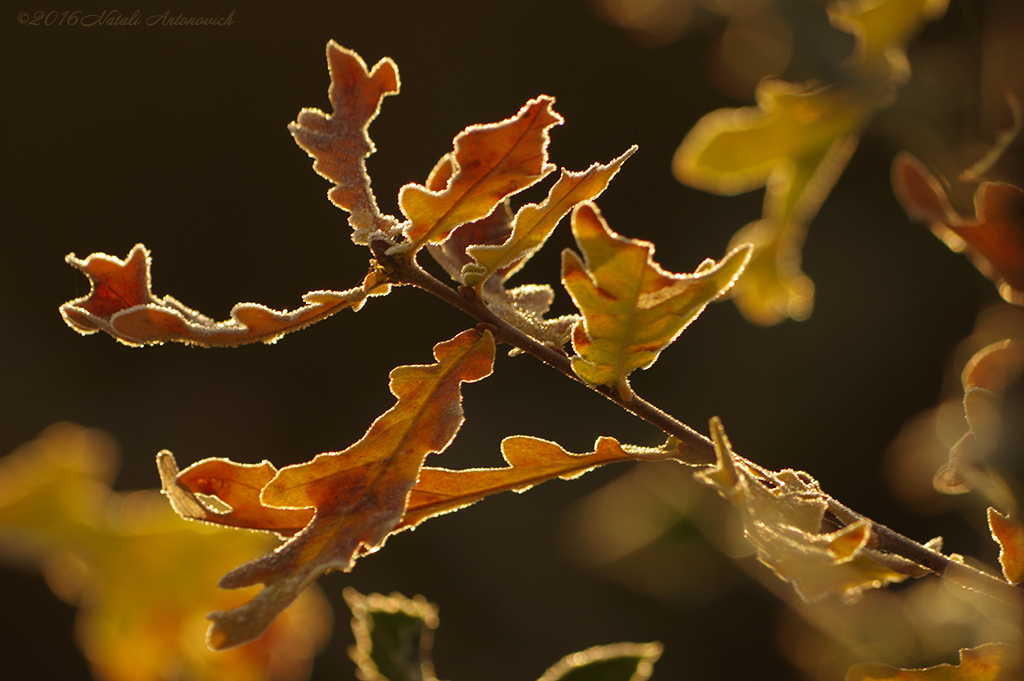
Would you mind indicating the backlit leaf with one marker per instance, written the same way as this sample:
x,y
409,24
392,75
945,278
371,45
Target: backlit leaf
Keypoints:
x,y
993,237
339,142
616,662
142,578
531,461
796,142
122,304
394,636
989,662
632,309
1009,534
489,163
782,514
534,223
359,494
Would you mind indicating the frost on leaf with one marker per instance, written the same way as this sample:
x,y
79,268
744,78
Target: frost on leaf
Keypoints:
x,y
490,162
359,495
632,309
782,514
122,304
395,635
796,142
339,142
988,662
993,238
141,577
1009,534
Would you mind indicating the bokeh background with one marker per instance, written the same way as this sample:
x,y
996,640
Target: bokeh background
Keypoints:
x,y
176,137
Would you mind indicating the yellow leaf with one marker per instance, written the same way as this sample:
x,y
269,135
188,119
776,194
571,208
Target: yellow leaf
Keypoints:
x,y
489,163
796,141
142,578
534,223
1010,537
988,662
632,309
359,494
782,514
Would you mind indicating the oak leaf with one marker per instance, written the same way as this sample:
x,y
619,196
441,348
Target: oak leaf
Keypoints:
x,y
1009,534
993,237
121,303
988,662
782,514
359,494
339,142
141,577
632,309
796,142
489,163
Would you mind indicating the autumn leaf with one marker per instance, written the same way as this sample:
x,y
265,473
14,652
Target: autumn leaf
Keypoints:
x,y
489,163
141,577
121,303
1009,534
782,514
534,223
359,494
796,142
993,238
632,309
339,142
394,641
988,662
531,461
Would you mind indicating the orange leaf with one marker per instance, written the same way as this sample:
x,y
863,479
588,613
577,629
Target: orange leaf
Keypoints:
x,y
121,303
1010,537
236,484
994,236
359,494
531,461
339,142
489,163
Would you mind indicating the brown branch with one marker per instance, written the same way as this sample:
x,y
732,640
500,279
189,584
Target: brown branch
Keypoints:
x,y
694,449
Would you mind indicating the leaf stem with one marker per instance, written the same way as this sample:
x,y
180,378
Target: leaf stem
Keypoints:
x,y
694,448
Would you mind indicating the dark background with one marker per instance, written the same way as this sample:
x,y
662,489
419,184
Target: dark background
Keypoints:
x,y
176,137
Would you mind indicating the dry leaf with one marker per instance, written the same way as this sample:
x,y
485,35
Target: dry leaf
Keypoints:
x,y
339,142
989,662
122,304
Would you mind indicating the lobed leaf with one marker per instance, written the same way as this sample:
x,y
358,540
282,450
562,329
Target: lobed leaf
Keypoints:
x,y
632,309
531,461
394,636
359,495
988,662
534,223
121,303
489,163
339,142
993,237
782,514
797,141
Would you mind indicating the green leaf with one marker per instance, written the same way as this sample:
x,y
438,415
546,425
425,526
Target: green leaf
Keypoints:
x,y
394,636
616,662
